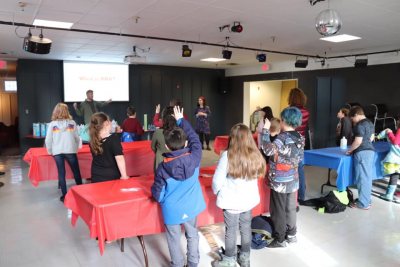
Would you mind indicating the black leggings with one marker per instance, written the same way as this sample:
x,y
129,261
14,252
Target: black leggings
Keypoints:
x,y
203,136
394,178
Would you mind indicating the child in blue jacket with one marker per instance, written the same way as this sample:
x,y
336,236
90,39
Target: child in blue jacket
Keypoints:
x,y
177,188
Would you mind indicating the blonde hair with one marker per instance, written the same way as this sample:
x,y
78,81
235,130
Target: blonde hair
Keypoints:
x,y
275,125
244,159
96,125
60,112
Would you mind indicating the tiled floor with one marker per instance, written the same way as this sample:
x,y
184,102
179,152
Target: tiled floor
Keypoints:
x,y
35,230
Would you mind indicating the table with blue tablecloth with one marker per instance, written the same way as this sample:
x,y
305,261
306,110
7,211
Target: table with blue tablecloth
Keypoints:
x,y
335,158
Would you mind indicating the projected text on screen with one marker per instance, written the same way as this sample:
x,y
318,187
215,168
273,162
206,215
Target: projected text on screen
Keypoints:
x,y
108,81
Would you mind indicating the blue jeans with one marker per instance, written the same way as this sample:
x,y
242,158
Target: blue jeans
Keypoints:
x,y
232,221
173,232
302,182
72,160
363,162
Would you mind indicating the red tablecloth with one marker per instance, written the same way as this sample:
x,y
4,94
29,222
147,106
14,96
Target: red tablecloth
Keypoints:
x,y
138,156
221,142
112,214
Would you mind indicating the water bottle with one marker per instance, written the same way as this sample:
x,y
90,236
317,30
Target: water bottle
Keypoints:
x,y
36,129
343,143
113,126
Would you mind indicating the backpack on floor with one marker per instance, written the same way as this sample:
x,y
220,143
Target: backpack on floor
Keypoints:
x,y
334,202
261,229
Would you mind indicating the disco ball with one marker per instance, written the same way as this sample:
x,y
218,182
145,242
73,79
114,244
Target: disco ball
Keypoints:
x,y
328,22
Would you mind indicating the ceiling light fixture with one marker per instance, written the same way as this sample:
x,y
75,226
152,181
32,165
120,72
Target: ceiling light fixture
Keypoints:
x,y
301,63
186,51
52,23
237,27
261,57
361,63
36,44
328,22
226,54
340,38
213,59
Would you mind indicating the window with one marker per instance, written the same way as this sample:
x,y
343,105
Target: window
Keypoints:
x,y
10,86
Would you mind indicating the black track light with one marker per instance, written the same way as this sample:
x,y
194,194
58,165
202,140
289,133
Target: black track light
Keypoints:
x,y
36,44
261,57
237,27
301,63
227,54
186,51
361,62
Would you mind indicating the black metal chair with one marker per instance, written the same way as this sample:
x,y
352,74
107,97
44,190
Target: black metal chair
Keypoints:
x,y
380,119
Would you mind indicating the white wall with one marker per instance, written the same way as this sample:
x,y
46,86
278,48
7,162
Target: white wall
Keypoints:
x,y
246,103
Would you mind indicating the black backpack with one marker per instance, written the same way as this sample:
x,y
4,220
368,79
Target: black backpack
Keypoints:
x,y
261,229
330,203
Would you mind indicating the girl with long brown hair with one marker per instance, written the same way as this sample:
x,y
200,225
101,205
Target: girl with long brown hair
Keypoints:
x,y
62,141
236,186
108,159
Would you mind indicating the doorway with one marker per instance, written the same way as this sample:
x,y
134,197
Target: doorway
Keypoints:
x,y
266,93
8,108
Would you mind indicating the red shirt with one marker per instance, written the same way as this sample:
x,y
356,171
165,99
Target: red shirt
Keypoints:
x,y
132,125
304,122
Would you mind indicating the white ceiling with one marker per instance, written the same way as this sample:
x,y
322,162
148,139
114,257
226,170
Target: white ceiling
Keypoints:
x,y
290,21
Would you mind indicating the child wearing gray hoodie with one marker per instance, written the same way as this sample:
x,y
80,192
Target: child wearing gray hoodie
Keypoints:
x,y
62,141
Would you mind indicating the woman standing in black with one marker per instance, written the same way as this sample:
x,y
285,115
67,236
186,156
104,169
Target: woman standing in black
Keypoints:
x,y
202,114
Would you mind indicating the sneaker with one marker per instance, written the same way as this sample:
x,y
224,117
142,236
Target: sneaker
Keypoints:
x,y
291,239
62,199
276,244
357,205
225,262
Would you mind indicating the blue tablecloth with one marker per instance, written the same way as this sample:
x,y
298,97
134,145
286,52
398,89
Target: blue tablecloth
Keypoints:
x,y
335,158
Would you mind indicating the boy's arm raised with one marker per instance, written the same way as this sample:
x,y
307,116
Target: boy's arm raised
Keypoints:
x,y
193,139
267,147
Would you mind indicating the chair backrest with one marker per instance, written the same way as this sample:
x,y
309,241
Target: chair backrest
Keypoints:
x,y
382,110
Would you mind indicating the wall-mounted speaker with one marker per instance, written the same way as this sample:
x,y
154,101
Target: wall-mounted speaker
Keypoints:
x,y
301,63
224,85
361,63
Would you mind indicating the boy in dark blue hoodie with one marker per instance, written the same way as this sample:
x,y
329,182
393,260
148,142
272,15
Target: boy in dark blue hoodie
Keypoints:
x,y
177,188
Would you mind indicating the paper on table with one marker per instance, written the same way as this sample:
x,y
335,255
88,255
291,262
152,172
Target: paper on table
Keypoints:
x,y
131,189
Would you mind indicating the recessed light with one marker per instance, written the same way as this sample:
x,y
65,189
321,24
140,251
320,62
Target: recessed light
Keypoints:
x,y
340,38
213,59
51,23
